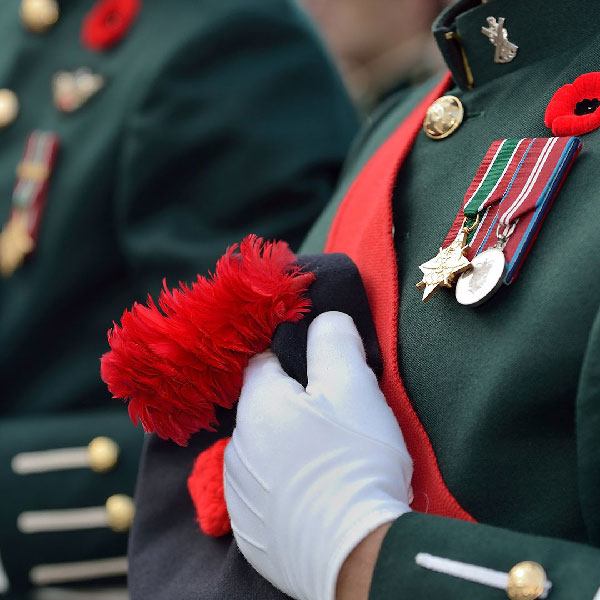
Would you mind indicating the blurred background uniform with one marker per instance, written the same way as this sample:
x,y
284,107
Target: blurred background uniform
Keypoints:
x,y
137,140
379,46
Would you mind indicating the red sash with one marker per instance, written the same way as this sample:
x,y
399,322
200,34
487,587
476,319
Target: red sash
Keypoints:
x,y
362,229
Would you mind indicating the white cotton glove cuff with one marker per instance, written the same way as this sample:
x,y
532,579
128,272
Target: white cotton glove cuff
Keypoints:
x,y
309,473
336,502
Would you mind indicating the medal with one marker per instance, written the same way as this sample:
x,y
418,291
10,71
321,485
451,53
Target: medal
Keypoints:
x,y
449,262
15,243
501,250
502,212
487,188
18,236
483,279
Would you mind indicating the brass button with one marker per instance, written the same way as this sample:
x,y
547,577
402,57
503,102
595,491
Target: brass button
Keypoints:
x,y
443,117
39,15
119,511
9,107
103,454
526,581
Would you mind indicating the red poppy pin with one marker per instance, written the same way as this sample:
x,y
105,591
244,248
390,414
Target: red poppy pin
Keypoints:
x,y
573,109
108,22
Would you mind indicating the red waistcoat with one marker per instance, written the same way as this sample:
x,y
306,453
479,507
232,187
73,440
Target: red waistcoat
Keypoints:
x,y
362,229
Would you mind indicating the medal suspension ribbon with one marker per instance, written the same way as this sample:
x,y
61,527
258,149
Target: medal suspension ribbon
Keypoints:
x,y
493,177
510,195
491,181
19,235
33,173
528,198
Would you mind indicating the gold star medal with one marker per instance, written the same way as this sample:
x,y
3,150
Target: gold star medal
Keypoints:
x,y
482,197
500,217
502,247
15,244
441,270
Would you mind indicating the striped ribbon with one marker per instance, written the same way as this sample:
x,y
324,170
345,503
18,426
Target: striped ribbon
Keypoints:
x,y
489,185
512,191
33,174
528,199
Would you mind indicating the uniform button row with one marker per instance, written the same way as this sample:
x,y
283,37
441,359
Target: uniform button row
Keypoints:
x,y
100,455
116,514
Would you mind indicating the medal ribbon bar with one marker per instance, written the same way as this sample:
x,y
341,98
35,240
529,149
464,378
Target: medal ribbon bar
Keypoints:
x,y
528,199
490,183
19,234
33,174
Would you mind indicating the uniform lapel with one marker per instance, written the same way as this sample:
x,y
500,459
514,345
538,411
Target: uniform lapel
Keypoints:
x,y
363,229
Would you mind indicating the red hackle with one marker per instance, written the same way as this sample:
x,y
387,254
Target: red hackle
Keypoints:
x,y
176,361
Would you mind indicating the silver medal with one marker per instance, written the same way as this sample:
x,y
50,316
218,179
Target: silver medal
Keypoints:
x,y
480,282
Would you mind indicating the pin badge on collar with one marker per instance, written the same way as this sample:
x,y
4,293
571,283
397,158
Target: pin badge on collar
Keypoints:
x,y
498,36
72,89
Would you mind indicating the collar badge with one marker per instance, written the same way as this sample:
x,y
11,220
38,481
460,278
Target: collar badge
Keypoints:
x,y
498,36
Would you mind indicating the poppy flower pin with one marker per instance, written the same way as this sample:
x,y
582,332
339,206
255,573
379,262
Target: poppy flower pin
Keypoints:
x,y
108,22
574,108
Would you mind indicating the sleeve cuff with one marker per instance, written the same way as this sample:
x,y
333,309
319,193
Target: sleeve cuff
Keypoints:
x,y
573,569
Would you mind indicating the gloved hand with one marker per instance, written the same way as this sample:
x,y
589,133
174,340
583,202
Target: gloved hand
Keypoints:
x,y
309,473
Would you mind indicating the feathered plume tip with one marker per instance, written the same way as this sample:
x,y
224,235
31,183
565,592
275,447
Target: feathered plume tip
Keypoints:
x,y
175,362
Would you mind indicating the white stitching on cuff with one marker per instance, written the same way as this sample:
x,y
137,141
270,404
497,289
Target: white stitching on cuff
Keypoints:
x,y
468,572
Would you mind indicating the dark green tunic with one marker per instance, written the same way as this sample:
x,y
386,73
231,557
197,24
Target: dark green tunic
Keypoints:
x,y
508,392
218,118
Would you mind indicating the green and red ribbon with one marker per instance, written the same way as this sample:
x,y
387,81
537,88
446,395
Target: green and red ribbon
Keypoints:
x,y
511,192
531,193
33,175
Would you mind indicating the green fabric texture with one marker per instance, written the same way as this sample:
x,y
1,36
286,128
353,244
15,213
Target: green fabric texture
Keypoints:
x,y
509,392
62,489
587,423
375,131
218,119
572,568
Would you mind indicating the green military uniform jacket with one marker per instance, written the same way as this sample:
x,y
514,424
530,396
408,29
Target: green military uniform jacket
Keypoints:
x,y
508,392
217,118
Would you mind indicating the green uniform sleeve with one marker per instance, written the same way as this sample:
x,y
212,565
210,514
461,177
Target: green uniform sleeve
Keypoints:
x,y
572,568
242,130
61,490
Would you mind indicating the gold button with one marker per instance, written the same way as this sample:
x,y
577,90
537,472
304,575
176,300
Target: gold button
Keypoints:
x,y
443,117
526,581
9,107
39,15
120,510
102,454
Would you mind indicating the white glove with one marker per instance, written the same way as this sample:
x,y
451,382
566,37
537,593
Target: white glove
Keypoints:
x,y
309,473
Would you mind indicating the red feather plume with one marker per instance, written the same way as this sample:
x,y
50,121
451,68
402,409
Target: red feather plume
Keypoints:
x,y
175,362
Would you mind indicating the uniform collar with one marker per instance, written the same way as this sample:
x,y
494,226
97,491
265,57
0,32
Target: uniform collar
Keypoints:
x,y
540,28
